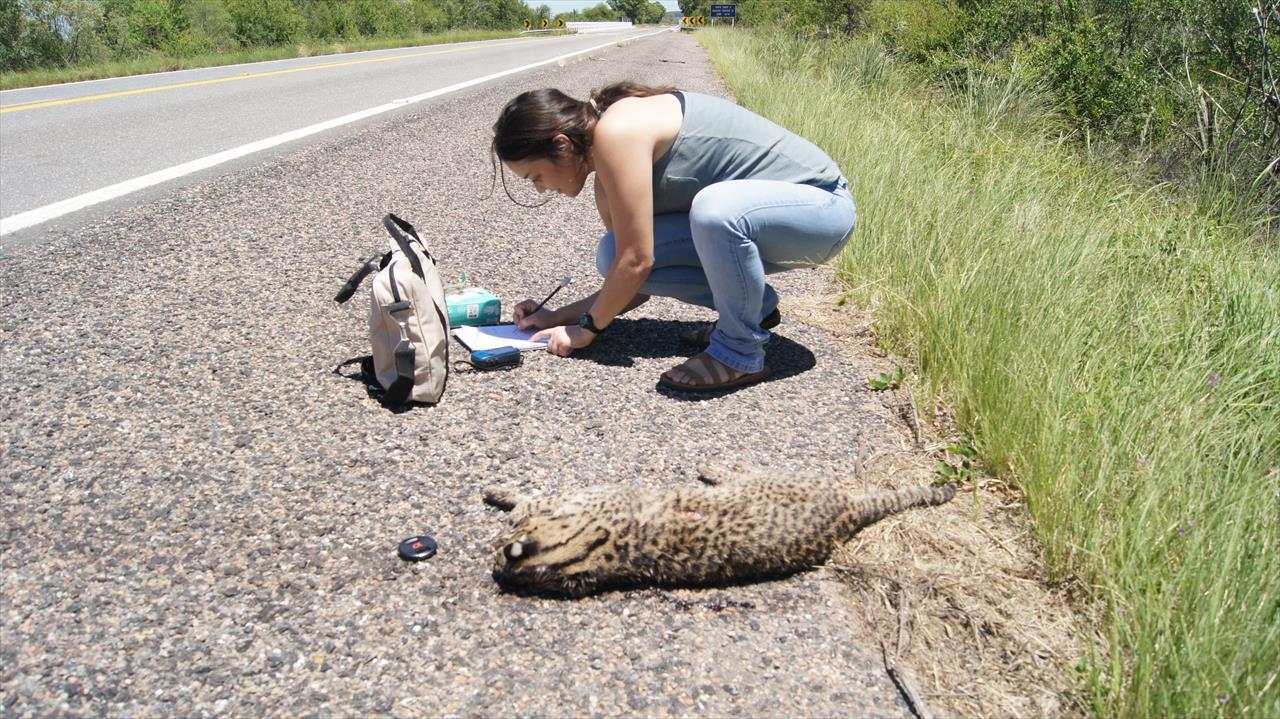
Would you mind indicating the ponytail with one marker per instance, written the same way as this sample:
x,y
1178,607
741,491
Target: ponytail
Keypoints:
x,y
604,97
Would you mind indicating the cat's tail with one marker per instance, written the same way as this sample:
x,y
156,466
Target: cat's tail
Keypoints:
x,y
874,507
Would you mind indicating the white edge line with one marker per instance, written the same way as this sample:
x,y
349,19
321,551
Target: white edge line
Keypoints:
x,y
29,218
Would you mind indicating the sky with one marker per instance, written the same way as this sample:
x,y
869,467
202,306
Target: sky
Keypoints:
x,y
567,5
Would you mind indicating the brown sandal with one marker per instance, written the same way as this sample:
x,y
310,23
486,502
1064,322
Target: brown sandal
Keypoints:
x,y
705,373
701,337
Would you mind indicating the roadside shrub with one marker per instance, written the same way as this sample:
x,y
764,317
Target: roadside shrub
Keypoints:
x,y
154,24
430,16
330,20
10,30
25,40
1185,82
264,22
50,33
915,28
805,17
189,43
1103,90
599,13
381,17
210,28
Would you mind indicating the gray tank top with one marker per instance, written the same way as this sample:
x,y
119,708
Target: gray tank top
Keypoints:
x,y
721,141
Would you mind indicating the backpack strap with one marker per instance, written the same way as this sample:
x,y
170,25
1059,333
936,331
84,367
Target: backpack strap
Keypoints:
x,y
398,392
404,235
353,283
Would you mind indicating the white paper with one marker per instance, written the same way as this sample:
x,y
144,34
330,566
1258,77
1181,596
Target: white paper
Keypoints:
x,y
494,336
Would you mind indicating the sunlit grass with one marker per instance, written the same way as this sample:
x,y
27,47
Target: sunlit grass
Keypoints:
x,y
1114,350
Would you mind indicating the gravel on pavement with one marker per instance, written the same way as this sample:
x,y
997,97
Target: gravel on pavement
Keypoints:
x,y
201,515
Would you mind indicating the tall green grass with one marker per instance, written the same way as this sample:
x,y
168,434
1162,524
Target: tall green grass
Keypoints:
x,y
161,62
1115,350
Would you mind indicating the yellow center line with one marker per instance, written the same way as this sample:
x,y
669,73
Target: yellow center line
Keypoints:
x,y
245,76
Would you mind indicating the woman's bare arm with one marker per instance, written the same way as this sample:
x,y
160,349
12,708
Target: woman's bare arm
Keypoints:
x,y
623,158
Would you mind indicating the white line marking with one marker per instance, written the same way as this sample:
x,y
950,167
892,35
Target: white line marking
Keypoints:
x,y
29,218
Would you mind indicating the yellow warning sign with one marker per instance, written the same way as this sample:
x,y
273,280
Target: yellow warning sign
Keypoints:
x,y
527,24
545,23
560,22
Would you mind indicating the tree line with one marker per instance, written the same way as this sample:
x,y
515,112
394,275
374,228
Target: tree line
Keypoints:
x,y
38,34
1192,83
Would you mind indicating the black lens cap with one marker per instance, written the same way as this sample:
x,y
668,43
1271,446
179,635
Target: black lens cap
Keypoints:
x,y
416,549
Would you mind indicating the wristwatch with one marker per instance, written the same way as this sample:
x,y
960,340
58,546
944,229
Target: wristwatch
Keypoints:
x,y
588,324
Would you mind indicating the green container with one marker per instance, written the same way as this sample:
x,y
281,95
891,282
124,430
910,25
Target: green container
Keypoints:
x,y
472,306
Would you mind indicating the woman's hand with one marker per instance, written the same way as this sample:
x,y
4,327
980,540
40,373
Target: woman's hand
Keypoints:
x,y
563,340
539,320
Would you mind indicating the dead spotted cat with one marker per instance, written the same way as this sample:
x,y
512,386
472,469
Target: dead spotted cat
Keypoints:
x,y
743,524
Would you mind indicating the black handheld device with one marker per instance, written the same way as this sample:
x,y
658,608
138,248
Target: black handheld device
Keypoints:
x,y
416,549
496,358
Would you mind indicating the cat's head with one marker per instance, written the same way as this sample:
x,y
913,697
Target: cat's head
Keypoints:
x,y
556,545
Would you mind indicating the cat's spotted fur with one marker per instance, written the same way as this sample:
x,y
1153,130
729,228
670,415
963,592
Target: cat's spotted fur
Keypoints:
x,y
744,524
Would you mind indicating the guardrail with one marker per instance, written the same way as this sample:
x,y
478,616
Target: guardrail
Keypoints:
x,y
582,27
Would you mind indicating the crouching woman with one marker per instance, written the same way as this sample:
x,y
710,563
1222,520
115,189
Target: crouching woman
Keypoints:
x,y
701,199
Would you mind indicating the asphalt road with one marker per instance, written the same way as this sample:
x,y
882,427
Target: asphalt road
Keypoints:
x,y
201,513
62,141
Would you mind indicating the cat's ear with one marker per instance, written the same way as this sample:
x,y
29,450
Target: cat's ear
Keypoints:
x,y
504,499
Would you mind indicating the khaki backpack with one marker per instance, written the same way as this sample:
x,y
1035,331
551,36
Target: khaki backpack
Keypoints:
x,y
408,322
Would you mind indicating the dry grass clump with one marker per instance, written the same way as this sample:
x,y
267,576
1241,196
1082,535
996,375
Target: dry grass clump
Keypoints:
x,y
954,596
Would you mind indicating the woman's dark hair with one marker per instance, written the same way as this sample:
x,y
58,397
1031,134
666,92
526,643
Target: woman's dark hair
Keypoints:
x,y
527,126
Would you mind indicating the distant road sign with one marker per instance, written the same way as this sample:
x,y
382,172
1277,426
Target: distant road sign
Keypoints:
x,y
527,24
702,19
560,22
545,23
724,11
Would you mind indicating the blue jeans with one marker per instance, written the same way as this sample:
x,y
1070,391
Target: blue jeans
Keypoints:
x,y
717,254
